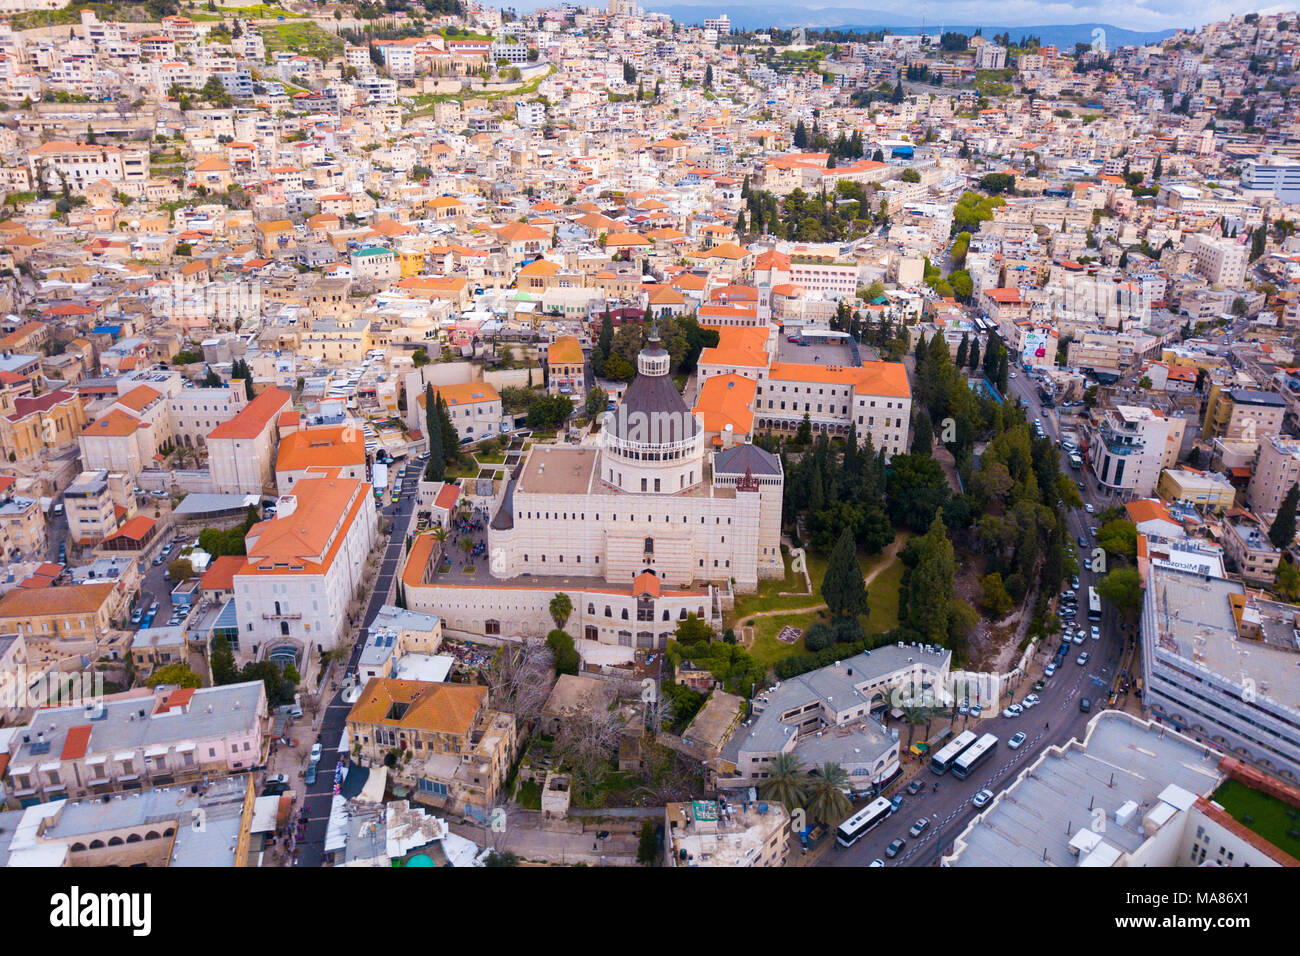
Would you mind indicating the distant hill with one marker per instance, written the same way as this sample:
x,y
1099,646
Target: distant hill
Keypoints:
x,y
757,16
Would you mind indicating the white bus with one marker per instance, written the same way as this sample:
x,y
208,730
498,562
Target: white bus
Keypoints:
x,y
1094,605
862,821
941,761
968,762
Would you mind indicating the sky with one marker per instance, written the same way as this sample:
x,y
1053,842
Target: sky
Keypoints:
x,y
1132,14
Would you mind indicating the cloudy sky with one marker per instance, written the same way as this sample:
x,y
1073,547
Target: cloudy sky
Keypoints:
x,y
1133,14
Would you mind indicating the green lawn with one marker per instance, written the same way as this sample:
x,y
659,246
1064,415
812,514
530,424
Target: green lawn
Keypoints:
x,y
883,615
1269,815
303,37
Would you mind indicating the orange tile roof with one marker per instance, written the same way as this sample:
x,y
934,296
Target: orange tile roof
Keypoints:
x,y
873,378
565,351
337,446
464,393
76,743
220,575
135,529
138,398
305,541
436,708
253,417
727,400
73,599
116,424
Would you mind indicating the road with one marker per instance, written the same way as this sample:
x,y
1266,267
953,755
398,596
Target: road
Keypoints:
x,y
1054,721
319,795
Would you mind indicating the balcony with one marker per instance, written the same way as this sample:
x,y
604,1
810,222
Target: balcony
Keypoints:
x,y
282,617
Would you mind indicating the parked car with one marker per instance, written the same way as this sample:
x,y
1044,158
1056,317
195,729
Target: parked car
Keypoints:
x,y
1078,638
1015,710
963,708
1031,700
896,804
1095,632
315,752
1083,659
982,798
919,826
1049,670
1087,506
915,786
876,862
277,778
1017,739
310,775
976,710
895,848
1085,704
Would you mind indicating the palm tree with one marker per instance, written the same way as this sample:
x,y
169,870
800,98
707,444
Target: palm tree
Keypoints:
x,y
785,782
827,802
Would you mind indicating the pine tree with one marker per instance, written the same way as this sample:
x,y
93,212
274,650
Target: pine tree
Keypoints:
x,y
1282,533
843,589
800,135
708,77
974,354
963,349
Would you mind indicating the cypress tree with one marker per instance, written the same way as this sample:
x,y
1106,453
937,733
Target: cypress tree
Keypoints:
x,y
843,589
1282,533
437,466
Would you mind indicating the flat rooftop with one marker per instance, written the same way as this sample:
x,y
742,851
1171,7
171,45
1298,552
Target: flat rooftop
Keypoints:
x,y
1194,620
1121,759
817,352
557,470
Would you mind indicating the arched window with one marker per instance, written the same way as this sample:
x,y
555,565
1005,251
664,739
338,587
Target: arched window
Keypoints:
x,y
134,838
115,841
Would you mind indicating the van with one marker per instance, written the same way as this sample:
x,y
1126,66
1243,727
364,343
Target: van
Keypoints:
x,y
295,712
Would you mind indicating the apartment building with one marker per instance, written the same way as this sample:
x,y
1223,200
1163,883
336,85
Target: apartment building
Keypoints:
x,y
456,751
195,412
134,742
80,164
303,569
1242,414
48,422
1276,470
1221,261
875,396
97,503
722,833
62,621
565,368
1248,550
22,524
1221,665
821,274
1274,174
1207,490
241,449
1130,446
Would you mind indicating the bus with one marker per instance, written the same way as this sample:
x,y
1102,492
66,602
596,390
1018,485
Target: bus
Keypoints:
x,y
862,821
968,762
1094,605
941,761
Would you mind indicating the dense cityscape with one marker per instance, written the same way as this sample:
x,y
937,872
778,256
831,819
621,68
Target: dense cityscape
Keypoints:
x,y
440,435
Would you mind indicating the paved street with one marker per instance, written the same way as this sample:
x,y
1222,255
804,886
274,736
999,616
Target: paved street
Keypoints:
x,y
319,795
1055,720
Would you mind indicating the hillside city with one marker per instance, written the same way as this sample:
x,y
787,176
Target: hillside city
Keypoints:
x,y
438,435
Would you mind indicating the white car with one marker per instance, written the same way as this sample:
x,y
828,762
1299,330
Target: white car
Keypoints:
x,y
1082,659
876,862
1089,508
1017,739
1049,670
982,798
1095,633
1031,700
1015,710
1078,638
315,752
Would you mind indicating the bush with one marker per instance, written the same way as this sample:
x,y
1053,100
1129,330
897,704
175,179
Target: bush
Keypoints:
x,y
566,655
818,636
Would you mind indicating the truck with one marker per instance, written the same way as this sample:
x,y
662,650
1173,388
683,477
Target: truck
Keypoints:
x,y
1075,461
379,479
